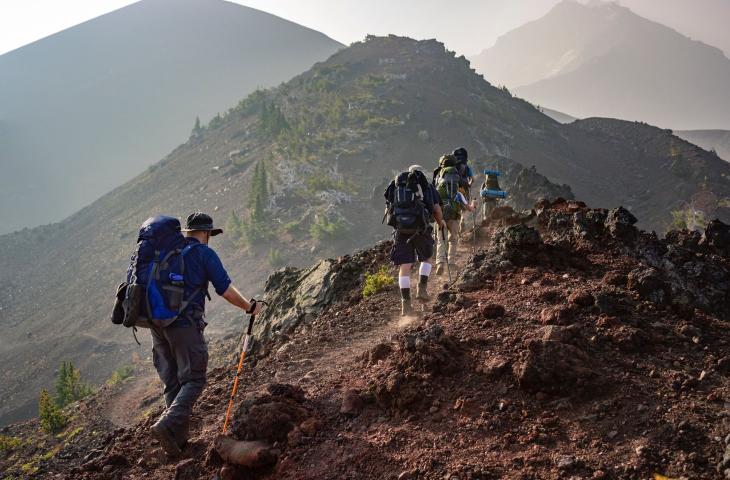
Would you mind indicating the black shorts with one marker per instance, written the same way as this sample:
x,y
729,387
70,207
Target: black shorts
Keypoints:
x,y
411,248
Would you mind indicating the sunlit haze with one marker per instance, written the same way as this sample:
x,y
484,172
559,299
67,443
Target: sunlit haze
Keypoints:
x,y
466,26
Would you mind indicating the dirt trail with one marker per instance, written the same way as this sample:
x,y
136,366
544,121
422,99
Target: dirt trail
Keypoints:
x,y
130,400
309,366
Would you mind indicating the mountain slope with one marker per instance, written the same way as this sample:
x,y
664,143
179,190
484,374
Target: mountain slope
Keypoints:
x,y
99,102
718,140
575,347
602,60
329,139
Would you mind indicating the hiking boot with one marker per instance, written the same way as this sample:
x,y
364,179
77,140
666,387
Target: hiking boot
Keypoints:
x,y
167,441
406,308
422,292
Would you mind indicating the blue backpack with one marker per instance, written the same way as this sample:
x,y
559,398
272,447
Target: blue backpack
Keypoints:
x,y
155,289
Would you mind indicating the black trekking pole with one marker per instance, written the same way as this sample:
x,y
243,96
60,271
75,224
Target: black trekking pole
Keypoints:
x,y
246,341
446,251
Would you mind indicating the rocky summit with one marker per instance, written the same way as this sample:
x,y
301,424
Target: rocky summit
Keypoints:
x,y
572,345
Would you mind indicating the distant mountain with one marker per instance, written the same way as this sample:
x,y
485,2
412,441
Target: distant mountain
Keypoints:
x,y
329,139
717,140
601,59
88,108
704,20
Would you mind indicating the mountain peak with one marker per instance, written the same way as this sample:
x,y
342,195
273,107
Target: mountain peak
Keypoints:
x,y
636,69
142,72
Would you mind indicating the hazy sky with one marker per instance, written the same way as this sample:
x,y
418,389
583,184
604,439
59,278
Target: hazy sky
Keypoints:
x,y
466,26
461,24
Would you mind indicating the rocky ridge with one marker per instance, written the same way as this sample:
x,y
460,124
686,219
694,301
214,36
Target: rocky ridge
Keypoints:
x,y
573,345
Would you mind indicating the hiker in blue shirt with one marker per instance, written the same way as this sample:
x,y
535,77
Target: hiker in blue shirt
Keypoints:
x,y
179,351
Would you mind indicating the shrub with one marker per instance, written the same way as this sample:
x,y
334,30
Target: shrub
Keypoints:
x,y
688,219
377,282
276,259
215,122
51,417
323,229
69,387
9,443
120,374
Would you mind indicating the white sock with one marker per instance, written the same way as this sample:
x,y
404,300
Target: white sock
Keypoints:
x,y
425,269
404,282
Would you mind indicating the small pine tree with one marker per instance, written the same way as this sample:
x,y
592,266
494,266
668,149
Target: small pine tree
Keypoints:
x,y
64,395
51,417
197,130
234,225
69,387
256,228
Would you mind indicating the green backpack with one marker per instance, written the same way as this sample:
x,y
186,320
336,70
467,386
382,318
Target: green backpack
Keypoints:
x,y
447,185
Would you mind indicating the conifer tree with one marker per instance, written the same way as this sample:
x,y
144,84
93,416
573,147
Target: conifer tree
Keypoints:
x,y
234,225
51,417
258,200
197,129
69,387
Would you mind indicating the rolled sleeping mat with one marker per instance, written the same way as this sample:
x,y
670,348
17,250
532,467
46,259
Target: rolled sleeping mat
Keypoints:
x,y
492,172
486,192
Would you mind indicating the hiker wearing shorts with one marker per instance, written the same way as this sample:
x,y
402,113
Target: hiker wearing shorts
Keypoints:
x,y
412,204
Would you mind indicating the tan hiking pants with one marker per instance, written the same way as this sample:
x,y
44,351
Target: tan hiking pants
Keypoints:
x,y
452,238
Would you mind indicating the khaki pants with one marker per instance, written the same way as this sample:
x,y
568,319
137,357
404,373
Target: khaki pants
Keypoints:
x,y
452,237
488,204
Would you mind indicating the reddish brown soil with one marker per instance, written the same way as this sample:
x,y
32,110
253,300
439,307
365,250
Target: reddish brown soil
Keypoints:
x,y
552,369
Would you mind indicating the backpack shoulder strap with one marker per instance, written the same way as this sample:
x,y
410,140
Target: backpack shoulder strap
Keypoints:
x,y
195,292
189,247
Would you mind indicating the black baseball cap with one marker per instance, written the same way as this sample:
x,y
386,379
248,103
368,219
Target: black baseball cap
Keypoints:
x,y
460,153
201,222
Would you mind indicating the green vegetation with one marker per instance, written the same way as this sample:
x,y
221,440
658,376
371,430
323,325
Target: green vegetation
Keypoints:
x,y
69,387
70,434
215,122
30,468
120,374
9,443
51,417
688,219
272,119
257,228
276,259
323,229
377,282
197,130
234,226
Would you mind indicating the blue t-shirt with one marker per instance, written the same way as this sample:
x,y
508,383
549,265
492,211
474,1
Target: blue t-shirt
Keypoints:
x,y
202,266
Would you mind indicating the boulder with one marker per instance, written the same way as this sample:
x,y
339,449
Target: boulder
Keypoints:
x,y
553,366
296,294
582,298
351,403
620,224
245,454
649,284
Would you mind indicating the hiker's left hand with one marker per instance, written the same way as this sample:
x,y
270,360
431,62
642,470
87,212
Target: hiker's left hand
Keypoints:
x,y
257,308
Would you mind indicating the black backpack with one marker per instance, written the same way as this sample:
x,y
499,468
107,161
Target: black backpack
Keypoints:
x,y
407,212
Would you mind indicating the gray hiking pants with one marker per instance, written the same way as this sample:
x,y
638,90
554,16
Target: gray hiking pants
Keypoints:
x,y
180,356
